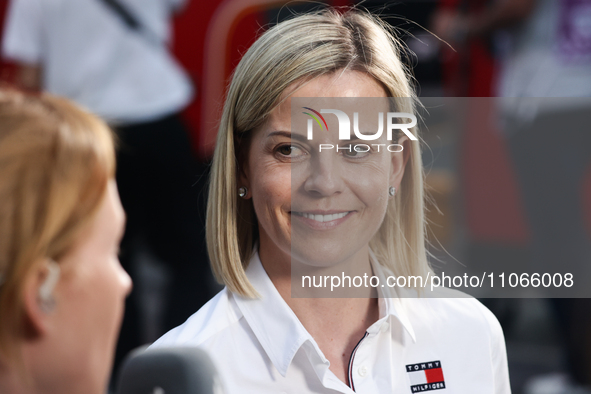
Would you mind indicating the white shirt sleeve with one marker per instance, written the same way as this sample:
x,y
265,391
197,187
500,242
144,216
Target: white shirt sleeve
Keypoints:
x,y
23,37
501,368
498,356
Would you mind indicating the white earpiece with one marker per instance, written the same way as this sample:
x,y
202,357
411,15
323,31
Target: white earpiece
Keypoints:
x,y
46,289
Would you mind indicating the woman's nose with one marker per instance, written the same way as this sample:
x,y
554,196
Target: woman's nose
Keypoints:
x,y
326,176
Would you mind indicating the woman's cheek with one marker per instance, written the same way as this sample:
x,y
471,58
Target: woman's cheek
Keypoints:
x,y
277,185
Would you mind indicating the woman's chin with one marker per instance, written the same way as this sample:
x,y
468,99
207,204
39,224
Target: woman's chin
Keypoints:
x,y
318,255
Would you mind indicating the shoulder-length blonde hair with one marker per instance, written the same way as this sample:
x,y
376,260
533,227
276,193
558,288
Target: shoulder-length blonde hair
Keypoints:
x,y
55,163
303,48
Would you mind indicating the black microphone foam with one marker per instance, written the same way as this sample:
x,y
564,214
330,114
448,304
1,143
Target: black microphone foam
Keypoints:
x,y
186,370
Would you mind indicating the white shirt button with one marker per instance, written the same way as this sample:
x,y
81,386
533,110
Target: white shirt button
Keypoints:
x,y
362,371
385,327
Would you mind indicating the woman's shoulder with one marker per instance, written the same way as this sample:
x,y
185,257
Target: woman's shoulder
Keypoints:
x,y
463,335
217,315
456,310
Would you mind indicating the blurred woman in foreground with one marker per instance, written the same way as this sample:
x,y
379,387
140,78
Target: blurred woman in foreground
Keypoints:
x,y
62,289
279,205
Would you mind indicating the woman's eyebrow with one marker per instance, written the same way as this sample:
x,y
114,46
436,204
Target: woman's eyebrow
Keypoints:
x,y
300,137
288,134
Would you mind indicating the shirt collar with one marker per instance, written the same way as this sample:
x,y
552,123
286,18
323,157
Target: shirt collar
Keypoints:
x,y
278,329
275,325
389,301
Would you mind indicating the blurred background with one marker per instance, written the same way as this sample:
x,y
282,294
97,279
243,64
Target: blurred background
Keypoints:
x,y
500,194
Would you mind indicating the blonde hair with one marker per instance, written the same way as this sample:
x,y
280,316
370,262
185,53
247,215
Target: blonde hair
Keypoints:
x,y
299,49
55,163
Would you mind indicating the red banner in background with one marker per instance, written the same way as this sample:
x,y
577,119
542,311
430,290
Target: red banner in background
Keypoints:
x,y
210,39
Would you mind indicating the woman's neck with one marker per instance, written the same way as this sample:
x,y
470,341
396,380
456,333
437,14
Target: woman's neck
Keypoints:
x,y
35,375
11,382
336,324
8,386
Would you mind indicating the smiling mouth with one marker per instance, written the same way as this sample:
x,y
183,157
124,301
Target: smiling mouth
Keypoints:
x,y
322,218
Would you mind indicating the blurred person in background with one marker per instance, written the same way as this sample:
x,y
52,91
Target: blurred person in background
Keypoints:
x,y
543,49
112,57
62,288
545,82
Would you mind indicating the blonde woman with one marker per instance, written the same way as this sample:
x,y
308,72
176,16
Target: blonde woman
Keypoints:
x,y
275,203
62,288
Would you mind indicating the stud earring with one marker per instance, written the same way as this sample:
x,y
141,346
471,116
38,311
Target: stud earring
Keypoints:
x,y
242,192
392,191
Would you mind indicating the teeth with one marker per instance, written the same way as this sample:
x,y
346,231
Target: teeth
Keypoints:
x,y
323,218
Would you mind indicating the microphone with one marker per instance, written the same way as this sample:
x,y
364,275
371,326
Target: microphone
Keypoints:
x,y
179,370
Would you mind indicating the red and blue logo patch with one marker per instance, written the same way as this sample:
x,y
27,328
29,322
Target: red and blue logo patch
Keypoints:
x,y
425,376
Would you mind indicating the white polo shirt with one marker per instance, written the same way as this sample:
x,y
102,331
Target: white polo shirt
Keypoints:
x,y
89,55
452,345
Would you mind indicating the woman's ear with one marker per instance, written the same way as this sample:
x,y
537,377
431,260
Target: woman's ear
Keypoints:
x,y
243,176
399,160
38,302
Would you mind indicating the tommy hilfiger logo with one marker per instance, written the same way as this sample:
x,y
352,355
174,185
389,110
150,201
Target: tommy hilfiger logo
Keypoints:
x,y
425,376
